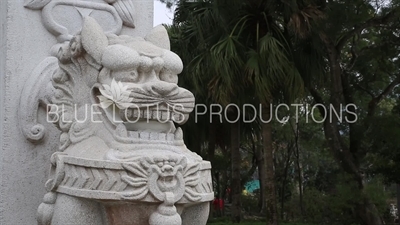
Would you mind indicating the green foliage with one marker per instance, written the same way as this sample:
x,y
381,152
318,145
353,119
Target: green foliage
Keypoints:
x,y
248,51
383,139
227,43
336,207
227,222
376,191
250,203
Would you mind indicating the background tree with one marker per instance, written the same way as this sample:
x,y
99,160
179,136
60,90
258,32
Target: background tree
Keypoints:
x,y
352,37
347,55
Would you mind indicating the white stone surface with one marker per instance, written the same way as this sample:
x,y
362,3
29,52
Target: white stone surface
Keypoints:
x,y
24,43
24,166
118,161
59,62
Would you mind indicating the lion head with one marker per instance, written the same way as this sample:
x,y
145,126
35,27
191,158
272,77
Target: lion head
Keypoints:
x,y
146,72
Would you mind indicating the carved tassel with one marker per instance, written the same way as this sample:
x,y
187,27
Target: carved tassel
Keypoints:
x,y
46,209
166,213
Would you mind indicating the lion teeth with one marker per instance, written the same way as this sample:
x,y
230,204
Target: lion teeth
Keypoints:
x,y
178,135
144,135
121,130
176,117
154,115
170,137
164,116
162,136
133,115
154,136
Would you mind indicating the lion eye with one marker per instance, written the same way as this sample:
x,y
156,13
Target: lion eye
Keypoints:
x,y
169,77
134,75
126,76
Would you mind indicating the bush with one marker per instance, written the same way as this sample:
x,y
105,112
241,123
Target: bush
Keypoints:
x,y
250,204
337,206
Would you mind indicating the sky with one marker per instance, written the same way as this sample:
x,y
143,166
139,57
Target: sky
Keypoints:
x,y
162,14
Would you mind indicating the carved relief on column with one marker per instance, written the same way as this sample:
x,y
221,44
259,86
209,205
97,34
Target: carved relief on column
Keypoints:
x,y
116,101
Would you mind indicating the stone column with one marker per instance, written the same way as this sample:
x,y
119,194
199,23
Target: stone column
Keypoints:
x,y
24,43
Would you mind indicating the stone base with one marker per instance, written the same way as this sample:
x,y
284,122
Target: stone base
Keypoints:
x,y
72,210
158,190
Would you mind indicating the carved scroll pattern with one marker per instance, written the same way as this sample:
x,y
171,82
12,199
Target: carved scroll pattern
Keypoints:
x,y
38,90
62,33
65,103
122,11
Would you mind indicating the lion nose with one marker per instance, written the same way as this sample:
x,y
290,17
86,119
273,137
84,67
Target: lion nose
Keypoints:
x,y
164,88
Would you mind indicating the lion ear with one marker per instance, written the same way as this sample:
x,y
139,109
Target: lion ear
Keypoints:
x,y
94,41
159,37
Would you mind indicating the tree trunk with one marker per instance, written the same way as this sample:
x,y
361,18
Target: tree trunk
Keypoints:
x,y
368,213
346,153
236,186
285,173
261,173
210,157
211,141
224,182
270,189
299,169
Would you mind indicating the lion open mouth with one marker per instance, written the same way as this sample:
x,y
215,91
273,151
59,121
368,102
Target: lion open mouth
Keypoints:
x,y
152,106
158,101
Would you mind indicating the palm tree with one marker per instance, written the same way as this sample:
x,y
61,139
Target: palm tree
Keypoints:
x,y
236,50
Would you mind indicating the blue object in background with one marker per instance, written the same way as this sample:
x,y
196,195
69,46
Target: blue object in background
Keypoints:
x,y
253,185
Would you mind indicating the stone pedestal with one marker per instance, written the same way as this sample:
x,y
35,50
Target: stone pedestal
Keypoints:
x,y
88,89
